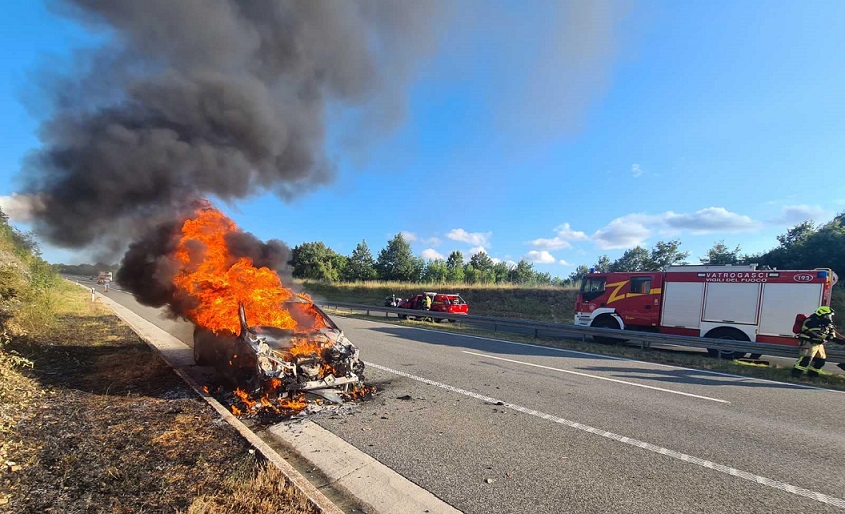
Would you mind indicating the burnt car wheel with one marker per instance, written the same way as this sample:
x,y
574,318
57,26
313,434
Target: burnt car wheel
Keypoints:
x,y
199,357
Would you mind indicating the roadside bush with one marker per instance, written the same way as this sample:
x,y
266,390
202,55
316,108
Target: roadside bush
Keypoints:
x,y
27,282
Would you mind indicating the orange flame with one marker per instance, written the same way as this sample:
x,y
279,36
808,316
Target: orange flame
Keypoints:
x,y
244,397
294,404
219,281
306,347
216,282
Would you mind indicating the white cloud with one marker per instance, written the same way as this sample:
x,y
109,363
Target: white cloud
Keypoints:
x,y
562,262
711,219
21,208
565,231
622,232
412,237
565,234
636,172
477,249
539,257
554,243
472,238
432,254
795,214
634,229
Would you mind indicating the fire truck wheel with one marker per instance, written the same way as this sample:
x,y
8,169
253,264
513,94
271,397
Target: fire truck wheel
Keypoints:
x,y
606,322
726,333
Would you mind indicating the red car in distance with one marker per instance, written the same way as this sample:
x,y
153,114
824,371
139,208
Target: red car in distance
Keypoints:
x,y
450,303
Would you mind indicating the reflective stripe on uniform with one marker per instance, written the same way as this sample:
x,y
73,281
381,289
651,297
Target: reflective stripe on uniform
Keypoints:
x,y
813,350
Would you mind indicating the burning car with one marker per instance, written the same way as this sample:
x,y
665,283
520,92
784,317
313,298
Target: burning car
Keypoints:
x,y
314,358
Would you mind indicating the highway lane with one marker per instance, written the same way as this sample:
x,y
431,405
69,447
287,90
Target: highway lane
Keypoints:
x,y
451,436
450,442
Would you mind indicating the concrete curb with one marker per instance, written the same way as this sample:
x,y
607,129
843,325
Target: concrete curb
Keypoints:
x,y
170,349
382,489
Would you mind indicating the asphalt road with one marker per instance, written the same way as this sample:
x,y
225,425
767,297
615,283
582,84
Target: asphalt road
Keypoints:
x,y
490,426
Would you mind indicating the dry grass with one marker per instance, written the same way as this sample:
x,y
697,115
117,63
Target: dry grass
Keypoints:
x,y
255,489
101,424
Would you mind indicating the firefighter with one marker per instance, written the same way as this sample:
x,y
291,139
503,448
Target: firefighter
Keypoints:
x,y
425,304
815,332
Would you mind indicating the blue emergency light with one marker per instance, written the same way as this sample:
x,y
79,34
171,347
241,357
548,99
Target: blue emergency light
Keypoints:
x,y
821,274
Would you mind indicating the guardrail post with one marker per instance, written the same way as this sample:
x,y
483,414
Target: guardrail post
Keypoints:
x,y
368,312
536,333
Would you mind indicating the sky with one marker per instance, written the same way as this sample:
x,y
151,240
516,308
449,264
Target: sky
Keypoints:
x,y
545,131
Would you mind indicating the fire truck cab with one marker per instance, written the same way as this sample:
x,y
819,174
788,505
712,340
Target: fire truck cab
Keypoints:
x,y
725,302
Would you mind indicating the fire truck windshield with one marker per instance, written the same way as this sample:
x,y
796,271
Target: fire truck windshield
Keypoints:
x,y
592,287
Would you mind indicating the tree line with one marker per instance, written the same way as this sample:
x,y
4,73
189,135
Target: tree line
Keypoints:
x,y
396,262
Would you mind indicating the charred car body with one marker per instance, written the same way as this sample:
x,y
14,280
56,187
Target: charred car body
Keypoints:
x,y
283,362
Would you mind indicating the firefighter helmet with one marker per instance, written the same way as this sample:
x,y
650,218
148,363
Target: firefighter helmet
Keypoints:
x,y
824,310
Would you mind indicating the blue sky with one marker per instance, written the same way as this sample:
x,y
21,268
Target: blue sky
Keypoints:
x,y
537,131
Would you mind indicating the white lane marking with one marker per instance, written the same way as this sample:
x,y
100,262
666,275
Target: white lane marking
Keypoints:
x,y
597,377
721,468
742,378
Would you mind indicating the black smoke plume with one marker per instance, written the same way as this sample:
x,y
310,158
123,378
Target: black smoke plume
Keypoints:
x,y
198,98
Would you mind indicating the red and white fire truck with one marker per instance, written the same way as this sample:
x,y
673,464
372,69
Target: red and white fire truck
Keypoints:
x,y
724,302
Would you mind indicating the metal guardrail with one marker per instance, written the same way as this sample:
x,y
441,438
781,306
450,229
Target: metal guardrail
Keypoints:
x,y
835,353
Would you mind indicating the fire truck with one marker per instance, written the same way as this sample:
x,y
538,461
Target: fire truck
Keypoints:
x,y
737,302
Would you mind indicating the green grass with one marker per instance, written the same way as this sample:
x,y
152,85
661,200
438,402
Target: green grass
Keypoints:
x,y
41,306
